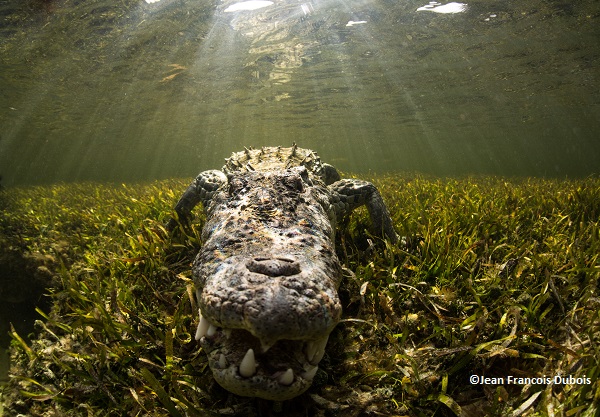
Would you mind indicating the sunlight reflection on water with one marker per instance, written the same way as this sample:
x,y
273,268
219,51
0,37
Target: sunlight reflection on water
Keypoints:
x,y
136,91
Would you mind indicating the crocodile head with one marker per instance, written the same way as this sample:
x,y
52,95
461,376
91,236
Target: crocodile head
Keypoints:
x,y
267,278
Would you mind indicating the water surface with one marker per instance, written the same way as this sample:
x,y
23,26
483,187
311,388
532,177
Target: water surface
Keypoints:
x,y
129,90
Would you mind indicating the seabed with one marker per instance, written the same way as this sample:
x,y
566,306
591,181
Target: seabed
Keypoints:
x,y
497,281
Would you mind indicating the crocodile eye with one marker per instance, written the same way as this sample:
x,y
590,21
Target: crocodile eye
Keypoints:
x,y
294,182
235,186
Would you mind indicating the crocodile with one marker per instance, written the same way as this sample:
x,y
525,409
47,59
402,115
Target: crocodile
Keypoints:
x,y
267,274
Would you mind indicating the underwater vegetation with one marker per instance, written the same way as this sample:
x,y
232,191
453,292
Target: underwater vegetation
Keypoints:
x,y
498,279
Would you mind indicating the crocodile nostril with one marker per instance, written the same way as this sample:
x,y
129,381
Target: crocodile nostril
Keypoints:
x,y
273,267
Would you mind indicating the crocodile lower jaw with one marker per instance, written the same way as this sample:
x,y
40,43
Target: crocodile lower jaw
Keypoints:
x,y
243,366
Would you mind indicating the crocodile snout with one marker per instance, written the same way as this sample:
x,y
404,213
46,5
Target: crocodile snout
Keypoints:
x,y
274,267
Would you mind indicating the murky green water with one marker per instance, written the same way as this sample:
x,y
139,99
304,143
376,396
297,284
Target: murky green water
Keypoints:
x,y
126,90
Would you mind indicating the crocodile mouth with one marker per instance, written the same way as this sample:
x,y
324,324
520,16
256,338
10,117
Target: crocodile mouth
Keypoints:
x,y
244,366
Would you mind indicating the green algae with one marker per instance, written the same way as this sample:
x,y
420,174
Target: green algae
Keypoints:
x,y
496,278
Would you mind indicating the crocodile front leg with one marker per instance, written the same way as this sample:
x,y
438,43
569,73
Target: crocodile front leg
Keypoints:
x,y
349,194
201,190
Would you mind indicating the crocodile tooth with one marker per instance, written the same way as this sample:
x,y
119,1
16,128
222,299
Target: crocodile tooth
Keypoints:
x,y
310,374
212,329
287,377
320,350
315,350
248,365
222,361
203,327
311,348
265,346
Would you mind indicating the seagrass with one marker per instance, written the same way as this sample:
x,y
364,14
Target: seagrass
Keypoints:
x,y
498,277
